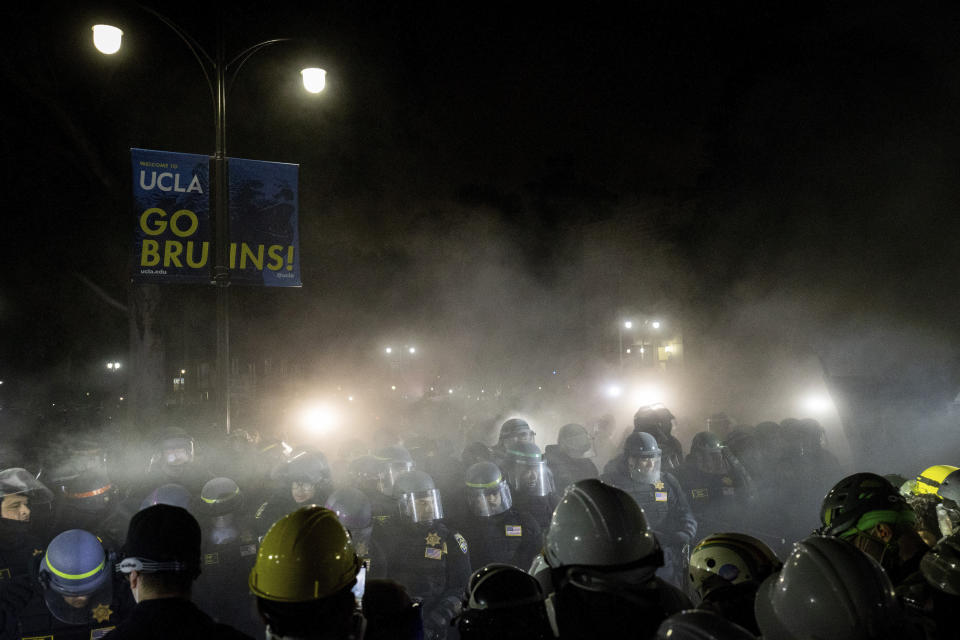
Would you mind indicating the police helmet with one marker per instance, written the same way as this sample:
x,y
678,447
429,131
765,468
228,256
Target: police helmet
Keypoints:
x,y
220,496
417,497
91,491
18,481
175,447
861,501
516,430
729,558
352,507
598,525
527,470
75,565
394,460
942,480
575,440
172,494
504,602
828,589
488,493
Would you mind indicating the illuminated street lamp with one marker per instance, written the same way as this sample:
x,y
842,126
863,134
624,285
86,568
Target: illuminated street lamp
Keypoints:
x,y
626,324
216,71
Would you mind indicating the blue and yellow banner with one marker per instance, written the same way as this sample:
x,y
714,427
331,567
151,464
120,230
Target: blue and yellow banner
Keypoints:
x,y
173,241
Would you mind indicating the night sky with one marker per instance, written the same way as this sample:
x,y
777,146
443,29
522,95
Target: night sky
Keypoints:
x,y
502,184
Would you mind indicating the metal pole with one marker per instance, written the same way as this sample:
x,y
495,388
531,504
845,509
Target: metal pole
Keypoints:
x,y
221,269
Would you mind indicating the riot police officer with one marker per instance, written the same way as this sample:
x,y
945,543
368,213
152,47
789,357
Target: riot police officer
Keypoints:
x,y
637,471
426,556
303,479
716,485
497,532
229,551
356,515
531,482
570,459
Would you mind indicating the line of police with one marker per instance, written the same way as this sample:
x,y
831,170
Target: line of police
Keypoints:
x,y
390,554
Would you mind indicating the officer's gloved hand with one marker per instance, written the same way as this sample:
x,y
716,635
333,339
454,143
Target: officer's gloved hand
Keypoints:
x,y
15,593
436,622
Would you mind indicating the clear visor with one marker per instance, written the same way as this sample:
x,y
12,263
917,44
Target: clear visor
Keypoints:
x,y
177,452
78,609
389,475
17,481
644,468
489,501
421,506
532,478
580,446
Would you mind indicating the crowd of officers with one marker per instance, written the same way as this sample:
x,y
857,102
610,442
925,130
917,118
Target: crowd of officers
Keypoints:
x,y
503,541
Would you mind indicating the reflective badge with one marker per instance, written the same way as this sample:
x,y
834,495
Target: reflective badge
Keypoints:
x,y
729,491
514,530
248,550
658,485
212,558
260,511
660,496
699,494
37,552
101,612
433,553
461,542
381,519
728,481
37,637
96,634
434,539
4,573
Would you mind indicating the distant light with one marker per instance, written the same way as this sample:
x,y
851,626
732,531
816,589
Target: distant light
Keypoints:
x,y
389,350
555,372
314,79
668,348
628,350
412,350
628,325
350,398
642,350
116,365
450,391
481,390
107,38
647,395
318,418
817,403
655,324
121,398
109,365
614,391
393,387
539,388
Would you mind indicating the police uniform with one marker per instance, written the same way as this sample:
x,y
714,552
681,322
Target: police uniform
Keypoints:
x,y
95,620
717,499
666,509
166,618
566,469
540,508
19,550
221,587
511,537
432,561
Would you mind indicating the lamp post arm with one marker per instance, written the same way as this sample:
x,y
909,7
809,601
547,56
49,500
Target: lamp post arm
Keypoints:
x,y
206,62
232,68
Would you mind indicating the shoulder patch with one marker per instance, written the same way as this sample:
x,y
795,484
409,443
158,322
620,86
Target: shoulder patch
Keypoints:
x,y
260,510
461,542
433,553
660,496
514,530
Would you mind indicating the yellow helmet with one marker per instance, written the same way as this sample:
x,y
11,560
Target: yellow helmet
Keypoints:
x,y
306,555
930,479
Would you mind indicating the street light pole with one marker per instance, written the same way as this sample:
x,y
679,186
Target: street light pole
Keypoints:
x,y
219,67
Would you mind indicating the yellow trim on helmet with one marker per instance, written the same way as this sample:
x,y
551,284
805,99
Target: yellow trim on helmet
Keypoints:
x,y
929,481
74,576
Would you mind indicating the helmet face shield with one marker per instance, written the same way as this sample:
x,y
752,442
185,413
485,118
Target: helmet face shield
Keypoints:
x,y
532,478
389,475
489,501
421,506
644,468
712,461
177,452
77,609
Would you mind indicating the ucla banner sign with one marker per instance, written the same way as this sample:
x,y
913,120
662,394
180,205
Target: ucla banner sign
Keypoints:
x,y
173,239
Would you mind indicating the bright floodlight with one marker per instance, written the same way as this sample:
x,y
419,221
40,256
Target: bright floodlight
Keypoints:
x,y
106,38
647,395
109,365
628,325
817,403
318,418
412,350
614,391
655,324
388,350
314,80
668,348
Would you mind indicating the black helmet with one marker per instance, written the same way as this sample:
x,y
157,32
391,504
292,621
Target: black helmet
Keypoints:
x,y
91,491
352,507
575,440
487,491
515,430
394,460
220,496
641,443
941,565
418,497
504,602
706,451
861,501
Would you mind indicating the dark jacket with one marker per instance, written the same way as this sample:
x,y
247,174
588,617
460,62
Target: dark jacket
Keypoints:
x,y
172,618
